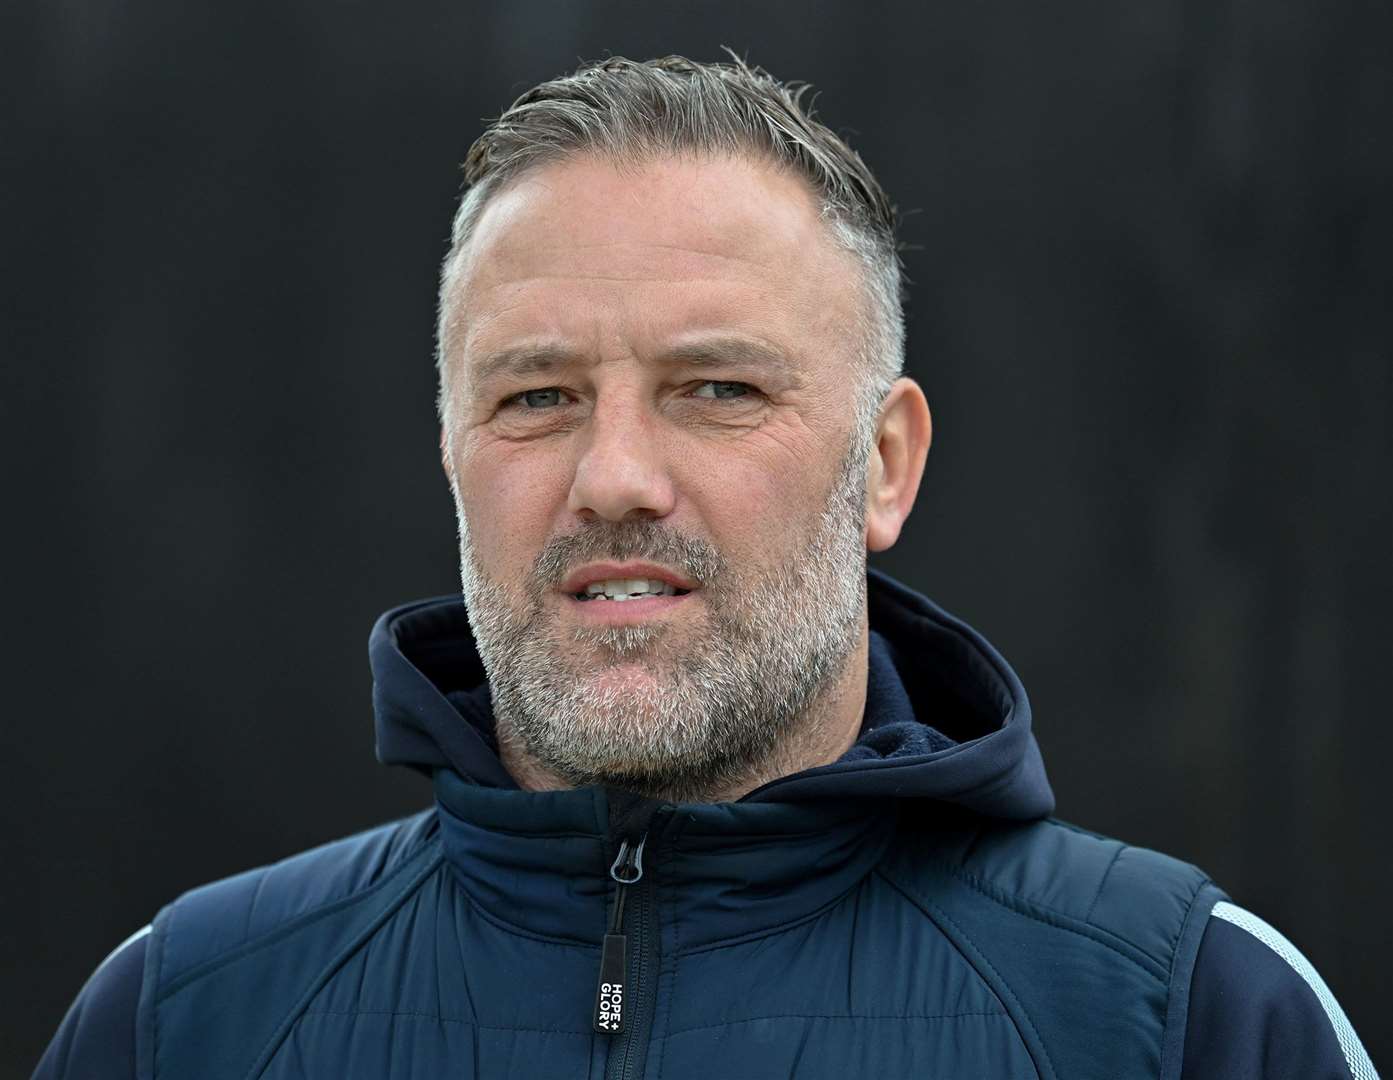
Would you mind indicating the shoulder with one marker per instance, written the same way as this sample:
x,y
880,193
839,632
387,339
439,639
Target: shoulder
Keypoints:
x,y
97,1035
230,963
1058,871
1137,904
200,931
1088,941
220,917
1260,1011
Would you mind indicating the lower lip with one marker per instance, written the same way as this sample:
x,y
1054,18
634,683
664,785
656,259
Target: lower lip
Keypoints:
x,y
619,612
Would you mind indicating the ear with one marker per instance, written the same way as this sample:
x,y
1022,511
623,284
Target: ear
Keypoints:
x,y
896,463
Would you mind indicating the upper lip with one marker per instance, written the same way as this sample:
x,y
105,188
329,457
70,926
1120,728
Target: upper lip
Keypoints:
x,y
577,580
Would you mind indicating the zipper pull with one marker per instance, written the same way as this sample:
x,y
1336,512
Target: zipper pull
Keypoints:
x,y
627,869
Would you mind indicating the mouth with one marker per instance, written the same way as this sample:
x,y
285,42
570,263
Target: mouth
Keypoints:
x,y
625,581
625,592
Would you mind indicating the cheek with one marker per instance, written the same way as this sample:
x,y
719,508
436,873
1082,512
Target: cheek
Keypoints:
x,y
754,510
511,501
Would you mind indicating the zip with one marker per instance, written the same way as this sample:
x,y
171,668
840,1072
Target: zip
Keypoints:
x,y
611,997
630,948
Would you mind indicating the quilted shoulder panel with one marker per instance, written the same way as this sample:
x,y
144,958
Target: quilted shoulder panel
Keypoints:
x,y
230,966
224,915
1132,893
1089,942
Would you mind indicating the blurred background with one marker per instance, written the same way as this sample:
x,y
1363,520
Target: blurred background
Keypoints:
x,y
1150,247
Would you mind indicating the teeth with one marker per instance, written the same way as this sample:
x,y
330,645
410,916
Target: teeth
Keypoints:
x,y
629,588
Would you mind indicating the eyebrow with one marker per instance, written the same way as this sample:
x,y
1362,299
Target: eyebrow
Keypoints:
x,y
727,350
523,360
539,359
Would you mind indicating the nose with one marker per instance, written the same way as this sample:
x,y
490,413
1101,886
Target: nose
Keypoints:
x,y
622,472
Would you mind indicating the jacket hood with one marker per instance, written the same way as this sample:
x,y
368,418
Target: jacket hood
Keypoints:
x,y
946,717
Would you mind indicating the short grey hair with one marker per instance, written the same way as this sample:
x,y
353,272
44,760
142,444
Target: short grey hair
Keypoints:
x,y
634,111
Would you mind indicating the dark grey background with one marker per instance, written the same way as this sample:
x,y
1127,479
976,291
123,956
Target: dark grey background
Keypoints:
x,y
1151,266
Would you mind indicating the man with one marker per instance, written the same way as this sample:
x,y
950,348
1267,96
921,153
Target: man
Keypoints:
x,y
709,801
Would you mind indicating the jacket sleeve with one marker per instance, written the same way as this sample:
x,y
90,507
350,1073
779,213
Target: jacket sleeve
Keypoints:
x,y
97,1036
1259,1011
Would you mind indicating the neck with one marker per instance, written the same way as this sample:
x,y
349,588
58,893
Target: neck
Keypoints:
x,y
825,731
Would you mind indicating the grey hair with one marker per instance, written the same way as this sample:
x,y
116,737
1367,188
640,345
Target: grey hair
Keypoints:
x,y
634,111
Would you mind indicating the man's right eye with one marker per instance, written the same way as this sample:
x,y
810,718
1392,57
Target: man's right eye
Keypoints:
x,y
537,399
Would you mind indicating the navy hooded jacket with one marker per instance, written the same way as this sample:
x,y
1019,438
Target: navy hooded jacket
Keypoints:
x,y
908,910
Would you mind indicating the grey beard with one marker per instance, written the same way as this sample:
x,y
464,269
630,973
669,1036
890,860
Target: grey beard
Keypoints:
x,y
720,710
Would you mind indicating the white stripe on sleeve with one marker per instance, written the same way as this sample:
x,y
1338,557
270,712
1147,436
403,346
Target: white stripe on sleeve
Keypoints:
x,y
1360,1067
129,941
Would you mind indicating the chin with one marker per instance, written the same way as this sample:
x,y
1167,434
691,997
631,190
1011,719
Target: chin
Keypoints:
x,y
633,684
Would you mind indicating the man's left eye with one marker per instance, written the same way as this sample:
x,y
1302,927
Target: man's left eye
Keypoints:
x,y
539,399
712,389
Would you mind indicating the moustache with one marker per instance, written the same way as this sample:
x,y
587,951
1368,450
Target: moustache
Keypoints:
x,y
650,541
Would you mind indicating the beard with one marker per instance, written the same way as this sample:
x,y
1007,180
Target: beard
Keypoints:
x,y
684,711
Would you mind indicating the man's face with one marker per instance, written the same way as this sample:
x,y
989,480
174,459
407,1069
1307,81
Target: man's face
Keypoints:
x,y
651,379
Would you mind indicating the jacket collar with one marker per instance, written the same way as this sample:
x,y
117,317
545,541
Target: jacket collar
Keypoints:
x,y
538,862
946,721
929,672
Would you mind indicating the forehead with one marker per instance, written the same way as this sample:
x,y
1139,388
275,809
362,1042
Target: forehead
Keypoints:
x,y
586,249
